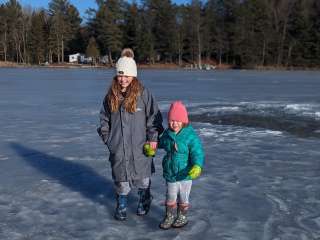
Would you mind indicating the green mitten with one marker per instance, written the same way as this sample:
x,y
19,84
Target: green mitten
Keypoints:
x,y
148,150
194,172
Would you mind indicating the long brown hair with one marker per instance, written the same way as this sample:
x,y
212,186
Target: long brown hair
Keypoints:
x,y
130,101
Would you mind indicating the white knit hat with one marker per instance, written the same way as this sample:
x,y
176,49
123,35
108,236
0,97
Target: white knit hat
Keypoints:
x,y
126,64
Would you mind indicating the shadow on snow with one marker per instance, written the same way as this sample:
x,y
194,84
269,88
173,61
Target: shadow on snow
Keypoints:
x,y
82,179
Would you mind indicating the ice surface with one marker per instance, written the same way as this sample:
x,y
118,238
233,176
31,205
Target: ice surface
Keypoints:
x,y
258,182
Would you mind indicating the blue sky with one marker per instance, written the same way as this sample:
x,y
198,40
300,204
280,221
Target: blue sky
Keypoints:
x,y
81,5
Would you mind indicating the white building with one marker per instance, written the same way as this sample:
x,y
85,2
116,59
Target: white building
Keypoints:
x,y
80,58
74,58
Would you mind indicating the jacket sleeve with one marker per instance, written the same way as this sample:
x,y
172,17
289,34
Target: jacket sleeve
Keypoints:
x,y
163,142
153,117
104,128
196,151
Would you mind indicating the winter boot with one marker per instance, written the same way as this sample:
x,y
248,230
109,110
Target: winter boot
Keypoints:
x,y
121,210
145,199
181,219
169,218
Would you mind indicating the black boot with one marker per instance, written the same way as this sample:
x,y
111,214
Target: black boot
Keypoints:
x,y
169,218
121,210
145,199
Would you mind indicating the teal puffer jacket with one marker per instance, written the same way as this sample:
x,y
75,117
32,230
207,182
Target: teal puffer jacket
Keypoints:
x,y
177,163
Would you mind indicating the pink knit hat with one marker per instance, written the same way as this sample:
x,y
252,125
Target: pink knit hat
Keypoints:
x,y
178,112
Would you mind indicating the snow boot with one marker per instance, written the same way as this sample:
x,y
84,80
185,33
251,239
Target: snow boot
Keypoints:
x,y
145,199
181,219
121,209
169,218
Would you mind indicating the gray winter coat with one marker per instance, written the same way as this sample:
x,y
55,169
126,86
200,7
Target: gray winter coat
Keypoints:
x,y
125,133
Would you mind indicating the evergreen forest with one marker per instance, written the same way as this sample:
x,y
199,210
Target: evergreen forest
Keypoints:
x,y
241,33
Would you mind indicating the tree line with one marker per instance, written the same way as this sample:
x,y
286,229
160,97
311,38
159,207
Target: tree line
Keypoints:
x,y
241,33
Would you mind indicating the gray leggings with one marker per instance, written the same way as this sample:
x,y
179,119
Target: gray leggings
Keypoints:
x,y
123,188
179,189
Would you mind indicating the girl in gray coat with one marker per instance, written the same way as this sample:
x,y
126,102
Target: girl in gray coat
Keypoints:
x,y
129,118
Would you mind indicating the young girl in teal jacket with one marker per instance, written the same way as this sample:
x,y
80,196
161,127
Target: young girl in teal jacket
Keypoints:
x,y
182,163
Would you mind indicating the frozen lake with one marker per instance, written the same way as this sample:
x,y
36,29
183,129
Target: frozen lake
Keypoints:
x,y
260,130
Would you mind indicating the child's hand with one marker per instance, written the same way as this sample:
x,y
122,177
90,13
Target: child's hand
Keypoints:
x,y
149,149
194,172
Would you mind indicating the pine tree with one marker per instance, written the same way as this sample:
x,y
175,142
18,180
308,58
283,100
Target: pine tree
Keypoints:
x,y
92,50
196,25
131,27
160,27
14,26
179,34
108,21
79,42
65,22
315,33
298,31
37,42
74,38
251,33
280,11
3,32
146,51
189,40
209,31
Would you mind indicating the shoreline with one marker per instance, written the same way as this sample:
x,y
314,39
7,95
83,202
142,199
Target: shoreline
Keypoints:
x,y
158,66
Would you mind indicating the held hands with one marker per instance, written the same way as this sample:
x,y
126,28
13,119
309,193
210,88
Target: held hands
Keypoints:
x,y
149,149
194,172
153,145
